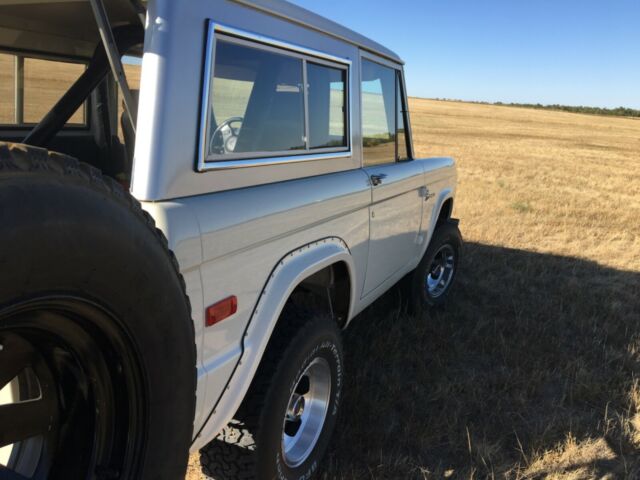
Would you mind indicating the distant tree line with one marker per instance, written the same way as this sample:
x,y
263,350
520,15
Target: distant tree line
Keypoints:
x,y
617,112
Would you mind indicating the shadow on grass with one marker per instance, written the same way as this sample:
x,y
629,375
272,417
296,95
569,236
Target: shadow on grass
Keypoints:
x,y
534,353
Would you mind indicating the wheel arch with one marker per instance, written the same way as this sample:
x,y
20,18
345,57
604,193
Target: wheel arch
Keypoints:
x,y
307,265
441,213
446,209
329,290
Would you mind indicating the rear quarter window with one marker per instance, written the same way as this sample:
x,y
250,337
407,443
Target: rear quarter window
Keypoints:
x,y
264,100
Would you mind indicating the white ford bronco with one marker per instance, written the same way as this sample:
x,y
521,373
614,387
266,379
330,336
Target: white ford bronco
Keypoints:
x,y
175,273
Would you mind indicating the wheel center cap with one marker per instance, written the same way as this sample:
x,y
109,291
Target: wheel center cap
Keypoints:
x,y
298,407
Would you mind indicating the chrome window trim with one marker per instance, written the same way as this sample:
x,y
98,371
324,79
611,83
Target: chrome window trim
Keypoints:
x,y
277,160
255,159
274,42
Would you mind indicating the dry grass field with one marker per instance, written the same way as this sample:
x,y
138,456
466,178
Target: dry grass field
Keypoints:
x,y
533,369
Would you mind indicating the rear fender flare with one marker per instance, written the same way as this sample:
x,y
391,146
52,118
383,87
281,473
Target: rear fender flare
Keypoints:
x,y
292,269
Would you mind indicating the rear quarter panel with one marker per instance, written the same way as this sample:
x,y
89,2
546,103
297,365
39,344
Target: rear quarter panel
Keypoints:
x,y
228,243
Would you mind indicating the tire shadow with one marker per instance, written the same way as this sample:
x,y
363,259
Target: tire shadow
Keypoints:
x,y
530,370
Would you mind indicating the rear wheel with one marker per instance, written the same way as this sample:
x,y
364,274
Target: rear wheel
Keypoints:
x,y
285,422
97,354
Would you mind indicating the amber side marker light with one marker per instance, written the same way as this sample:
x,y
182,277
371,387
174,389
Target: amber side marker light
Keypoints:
x,y
221,310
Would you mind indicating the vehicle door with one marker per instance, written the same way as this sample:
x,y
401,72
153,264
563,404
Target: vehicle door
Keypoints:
x,y
397,181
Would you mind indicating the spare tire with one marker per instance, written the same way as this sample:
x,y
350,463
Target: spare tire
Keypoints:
x,y
97,353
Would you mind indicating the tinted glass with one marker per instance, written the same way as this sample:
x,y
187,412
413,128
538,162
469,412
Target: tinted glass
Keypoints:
x,y
257,102
378,113
327,106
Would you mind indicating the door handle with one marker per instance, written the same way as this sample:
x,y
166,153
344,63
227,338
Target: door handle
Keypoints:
x,y
425,193
376,178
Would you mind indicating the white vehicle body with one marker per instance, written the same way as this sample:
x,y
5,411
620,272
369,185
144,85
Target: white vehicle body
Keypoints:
x,y
257,228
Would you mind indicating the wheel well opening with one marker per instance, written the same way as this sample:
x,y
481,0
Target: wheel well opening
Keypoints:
x,y
327,290
445,211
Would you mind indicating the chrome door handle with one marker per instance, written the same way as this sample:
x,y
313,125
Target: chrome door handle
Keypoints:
x,y
376,178
425,193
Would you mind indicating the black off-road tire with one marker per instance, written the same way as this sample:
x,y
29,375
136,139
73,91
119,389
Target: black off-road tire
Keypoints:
x,y
446,238
80,253
250,446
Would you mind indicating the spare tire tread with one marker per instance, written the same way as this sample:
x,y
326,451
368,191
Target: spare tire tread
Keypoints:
x,y
16,157
19,160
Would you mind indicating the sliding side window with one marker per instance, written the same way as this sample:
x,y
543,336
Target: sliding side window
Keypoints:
x,y
265,101
327,111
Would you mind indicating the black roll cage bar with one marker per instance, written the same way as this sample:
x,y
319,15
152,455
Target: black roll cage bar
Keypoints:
x,y
107,56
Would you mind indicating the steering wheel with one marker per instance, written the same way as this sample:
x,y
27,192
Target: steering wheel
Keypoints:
x,y
224,138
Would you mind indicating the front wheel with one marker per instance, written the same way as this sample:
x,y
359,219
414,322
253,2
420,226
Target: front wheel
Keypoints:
x,y
285,423
431,281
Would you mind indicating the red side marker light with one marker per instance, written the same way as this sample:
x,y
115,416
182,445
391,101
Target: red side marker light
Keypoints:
x,y
221,310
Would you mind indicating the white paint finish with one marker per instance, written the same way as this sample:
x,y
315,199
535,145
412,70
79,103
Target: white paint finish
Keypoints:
x,y
168,119
246,232
235,220
229,243
395,219
314,21
288,273
440,179
256,232
180,225
230,229
194,292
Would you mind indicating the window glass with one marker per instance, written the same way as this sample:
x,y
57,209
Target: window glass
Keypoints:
x,y
257,101
378,113
327,106
401,134
7,111
44,83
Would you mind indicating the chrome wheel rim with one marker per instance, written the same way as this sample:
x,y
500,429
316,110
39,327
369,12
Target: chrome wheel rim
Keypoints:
x,y
306,412
440,272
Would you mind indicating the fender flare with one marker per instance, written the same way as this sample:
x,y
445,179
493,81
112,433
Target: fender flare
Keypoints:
x,y
443,196
288,273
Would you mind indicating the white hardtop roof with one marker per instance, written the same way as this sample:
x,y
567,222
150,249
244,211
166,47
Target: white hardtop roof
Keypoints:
x,y
306,18
67,26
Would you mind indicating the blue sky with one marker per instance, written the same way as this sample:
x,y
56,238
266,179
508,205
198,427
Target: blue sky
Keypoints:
x,y
548,51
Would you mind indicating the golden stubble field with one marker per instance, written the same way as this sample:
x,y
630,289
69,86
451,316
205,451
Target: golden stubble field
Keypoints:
x,y
532,370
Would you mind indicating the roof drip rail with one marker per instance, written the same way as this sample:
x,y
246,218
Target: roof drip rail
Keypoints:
x,y
113,55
